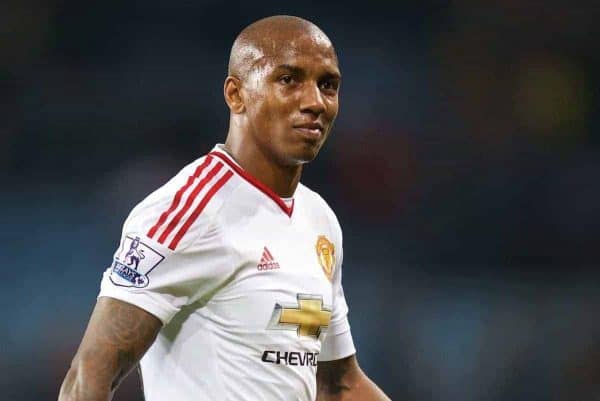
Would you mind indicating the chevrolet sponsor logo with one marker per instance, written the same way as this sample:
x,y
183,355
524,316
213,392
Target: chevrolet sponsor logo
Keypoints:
x,y
293,358
308,318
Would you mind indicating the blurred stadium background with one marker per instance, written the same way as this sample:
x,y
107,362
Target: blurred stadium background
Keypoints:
x,y
464,167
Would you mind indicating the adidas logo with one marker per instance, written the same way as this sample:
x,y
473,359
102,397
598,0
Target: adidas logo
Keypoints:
x,y
267,262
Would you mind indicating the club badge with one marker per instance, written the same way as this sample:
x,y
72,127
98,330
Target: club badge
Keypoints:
x,y
326,255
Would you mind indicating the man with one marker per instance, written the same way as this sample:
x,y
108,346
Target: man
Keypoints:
x,y
239,294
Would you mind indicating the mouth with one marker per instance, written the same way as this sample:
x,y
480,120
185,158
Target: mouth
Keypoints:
x,y
310,130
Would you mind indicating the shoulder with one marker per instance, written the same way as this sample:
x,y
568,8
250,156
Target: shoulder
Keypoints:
x,y
180,210
321,208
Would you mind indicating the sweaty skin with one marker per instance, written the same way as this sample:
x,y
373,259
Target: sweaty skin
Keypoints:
x,y
282,92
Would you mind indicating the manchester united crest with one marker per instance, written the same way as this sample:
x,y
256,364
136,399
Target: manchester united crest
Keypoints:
x,y
326,255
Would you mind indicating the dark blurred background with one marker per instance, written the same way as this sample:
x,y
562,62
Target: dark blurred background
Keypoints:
x,y
464,168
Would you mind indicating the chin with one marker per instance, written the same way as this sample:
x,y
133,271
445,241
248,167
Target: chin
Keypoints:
x,y
307,155
299,153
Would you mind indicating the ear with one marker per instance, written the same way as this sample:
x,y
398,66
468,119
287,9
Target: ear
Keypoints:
x,y
233,96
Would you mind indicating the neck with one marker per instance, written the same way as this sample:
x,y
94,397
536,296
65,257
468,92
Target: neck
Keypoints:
x,y
280,178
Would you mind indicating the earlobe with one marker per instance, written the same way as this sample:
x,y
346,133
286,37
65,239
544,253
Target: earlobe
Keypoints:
x,y
233,96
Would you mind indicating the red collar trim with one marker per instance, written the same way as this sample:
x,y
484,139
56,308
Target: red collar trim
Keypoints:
x,y
255,182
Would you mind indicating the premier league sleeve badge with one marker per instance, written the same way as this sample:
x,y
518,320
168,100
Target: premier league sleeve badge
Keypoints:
x,y
133,261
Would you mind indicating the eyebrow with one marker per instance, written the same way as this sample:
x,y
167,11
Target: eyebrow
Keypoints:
x,y
297,70
290,68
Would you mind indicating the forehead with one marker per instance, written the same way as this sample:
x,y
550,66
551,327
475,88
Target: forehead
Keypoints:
x,y
310,51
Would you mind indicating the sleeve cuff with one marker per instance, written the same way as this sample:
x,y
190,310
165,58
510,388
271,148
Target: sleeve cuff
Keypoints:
x,y
337,346
141,300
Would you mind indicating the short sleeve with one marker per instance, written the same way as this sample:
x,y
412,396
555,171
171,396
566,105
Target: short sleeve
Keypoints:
x,y
338,342
169,256
147,275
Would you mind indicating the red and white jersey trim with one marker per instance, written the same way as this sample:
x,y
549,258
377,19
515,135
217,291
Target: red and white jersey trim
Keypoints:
x,y
254,181
189,202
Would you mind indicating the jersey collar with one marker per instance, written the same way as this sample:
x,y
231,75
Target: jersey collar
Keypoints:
x,y
221,154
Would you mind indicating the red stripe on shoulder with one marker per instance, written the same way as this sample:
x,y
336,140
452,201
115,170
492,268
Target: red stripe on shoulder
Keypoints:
x,y
207,197
190,200
177,198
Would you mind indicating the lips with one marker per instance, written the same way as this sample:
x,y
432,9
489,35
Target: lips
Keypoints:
x,y
310,126
312,130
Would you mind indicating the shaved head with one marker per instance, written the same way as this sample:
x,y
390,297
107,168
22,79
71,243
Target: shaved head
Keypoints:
x,y
282,92
269,37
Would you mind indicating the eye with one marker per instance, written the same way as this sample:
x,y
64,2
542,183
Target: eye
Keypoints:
x,y
329,85
286,79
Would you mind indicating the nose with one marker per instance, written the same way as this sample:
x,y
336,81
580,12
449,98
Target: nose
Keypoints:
x,y
312,100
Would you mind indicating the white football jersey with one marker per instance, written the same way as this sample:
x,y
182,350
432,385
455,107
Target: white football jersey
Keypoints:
x,y
247,285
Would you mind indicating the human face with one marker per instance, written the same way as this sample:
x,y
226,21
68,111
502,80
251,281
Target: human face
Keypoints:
x,y
293,100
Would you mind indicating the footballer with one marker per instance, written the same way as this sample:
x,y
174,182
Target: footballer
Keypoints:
x,y
227,282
